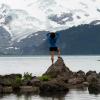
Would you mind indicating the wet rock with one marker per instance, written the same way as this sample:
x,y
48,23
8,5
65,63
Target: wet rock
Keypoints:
x,y
91,72
7,89
58,69
1,88
7,80
12,76
53,87
77,78
86,84
35,82
99,75
91,76
26,82
94,86
81,74
29,89
24,89
62,79
75,81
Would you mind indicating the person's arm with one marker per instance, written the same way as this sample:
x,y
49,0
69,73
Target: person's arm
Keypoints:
x,y
48,34
58,35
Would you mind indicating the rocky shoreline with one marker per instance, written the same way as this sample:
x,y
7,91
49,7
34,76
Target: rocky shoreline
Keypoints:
x,y
58,79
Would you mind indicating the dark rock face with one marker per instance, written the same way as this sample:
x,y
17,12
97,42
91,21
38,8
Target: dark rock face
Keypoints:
x,y
90,75
90,72
58,69
13,76
94,86
59,74
77,78
35,82
81,74
29,45
94,82
60,19
8,80
75,81
1,88
53,87
4,37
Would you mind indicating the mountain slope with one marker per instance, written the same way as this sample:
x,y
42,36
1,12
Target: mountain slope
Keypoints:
x,y
30,16
23,26
84,39
4,40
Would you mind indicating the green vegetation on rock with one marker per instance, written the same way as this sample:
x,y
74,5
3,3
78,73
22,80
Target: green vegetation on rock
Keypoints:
x,y
17,82
44,78
27,76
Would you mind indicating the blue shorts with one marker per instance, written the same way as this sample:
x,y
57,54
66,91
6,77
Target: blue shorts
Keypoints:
x,y
53,49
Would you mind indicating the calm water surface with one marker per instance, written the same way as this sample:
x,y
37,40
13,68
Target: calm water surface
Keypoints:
x,y
37,65
71,95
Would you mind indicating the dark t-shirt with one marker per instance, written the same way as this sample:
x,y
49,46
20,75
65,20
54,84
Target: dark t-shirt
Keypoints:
x,y
53,42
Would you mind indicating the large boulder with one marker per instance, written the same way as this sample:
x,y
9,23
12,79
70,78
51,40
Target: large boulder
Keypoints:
x,y
94,86
13,76
58,69
91,75
53,86
81,74
91,72
59,75
77,78
35,82
8,80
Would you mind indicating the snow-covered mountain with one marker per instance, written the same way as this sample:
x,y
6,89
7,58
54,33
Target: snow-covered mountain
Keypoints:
x,y
24,23
23,17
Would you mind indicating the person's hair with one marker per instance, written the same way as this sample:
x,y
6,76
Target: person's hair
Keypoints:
x,y
52,35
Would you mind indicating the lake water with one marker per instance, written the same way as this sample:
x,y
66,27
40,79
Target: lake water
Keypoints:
x,y
37,65
71,95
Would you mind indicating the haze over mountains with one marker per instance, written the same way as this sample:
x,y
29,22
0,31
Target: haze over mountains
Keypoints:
x,y
25,23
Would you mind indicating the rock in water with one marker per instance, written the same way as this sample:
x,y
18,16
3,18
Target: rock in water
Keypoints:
x,y
58,69
94,86
53,87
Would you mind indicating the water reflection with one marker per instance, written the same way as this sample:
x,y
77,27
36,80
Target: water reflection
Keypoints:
x,y
30,97
54,97
71,95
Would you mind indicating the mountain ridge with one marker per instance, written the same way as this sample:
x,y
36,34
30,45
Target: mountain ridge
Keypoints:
x,y
80,40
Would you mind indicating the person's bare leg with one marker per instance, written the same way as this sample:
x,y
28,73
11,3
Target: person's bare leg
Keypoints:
x,y
58,52
52,57
58,55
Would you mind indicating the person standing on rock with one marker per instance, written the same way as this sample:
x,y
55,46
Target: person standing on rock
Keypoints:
x,y
53,39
